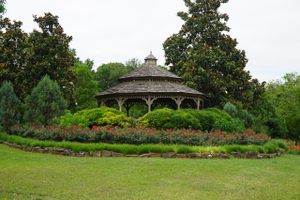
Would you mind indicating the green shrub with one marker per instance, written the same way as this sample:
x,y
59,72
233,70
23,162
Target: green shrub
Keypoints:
x,y
98,116
182,119
157,118
207,119
230,109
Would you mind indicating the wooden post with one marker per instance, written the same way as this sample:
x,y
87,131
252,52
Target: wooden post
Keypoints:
x,y
120,103
149,101
178,101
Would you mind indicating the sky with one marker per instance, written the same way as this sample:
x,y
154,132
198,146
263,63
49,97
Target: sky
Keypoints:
x,y
118,30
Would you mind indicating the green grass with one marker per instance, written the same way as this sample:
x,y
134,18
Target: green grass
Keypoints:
x,y
25,175
270,147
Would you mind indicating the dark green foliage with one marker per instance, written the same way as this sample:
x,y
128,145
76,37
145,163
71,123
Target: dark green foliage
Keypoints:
x,y
246,117
182,119
50,55
9,106
285,96
26,58
86,86
138,110
157,118
14,54
267,120
206,119
97,116
2,8
45,103
205,55
108,74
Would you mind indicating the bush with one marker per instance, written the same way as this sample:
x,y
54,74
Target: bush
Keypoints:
x,y
207,119
98,116
230,109
157,118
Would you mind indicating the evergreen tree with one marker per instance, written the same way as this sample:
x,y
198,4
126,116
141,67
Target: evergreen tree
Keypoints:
x,y
2,8
207,57
45,103
9,106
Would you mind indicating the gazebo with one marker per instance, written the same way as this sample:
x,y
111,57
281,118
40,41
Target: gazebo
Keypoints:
x,y
151,85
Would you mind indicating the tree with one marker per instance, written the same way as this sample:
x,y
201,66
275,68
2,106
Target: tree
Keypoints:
x,y
50,55
2,8
86,86
14,52
285,96
133,64
207,57
9,106
45,103
108,74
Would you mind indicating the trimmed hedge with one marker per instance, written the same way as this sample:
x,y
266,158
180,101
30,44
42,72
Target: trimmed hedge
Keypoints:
x,y
270,147
98,116
207,119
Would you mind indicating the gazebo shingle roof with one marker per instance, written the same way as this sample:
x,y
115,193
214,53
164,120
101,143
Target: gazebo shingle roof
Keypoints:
x,y
150,72
146,87
149,79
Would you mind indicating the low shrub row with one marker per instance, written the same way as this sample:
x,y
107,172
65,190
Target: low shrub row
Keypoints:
x,y
98,116
270,147
111,134
207,119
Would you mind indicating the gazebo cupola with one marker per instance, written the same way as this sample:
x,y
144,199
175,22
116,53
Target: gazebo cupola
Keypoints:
x,y
151,85
151,60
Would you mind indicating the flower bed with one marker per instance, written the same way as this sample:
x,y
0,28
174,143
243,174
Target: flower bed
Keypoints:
x,y
110,134
294,150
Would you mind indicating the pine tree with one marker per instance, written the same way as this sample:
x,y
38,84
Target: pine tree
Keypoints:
x,y
9,106
45,103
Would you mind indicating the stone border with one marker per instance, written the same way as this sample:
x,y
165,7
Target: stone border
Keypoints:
x,y
105,153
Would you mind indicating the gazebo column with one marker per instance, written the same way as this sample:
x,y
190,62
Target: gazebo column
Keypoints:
x,y
178,101
121,102
198,102
149,101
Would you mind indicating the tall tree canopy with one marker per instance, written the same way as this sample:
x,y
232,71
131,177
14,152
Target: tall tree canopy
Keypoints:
x,y
50,54
86,86
14,52
26,58
285,96
108,74
207,57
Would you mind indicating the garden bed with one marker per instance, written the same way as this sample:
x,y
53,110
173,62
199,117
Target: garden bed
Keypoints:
x,y
269,150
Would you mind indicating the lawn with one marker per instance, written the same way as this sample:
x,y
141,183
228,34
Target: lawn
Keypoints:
x,y
25,175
